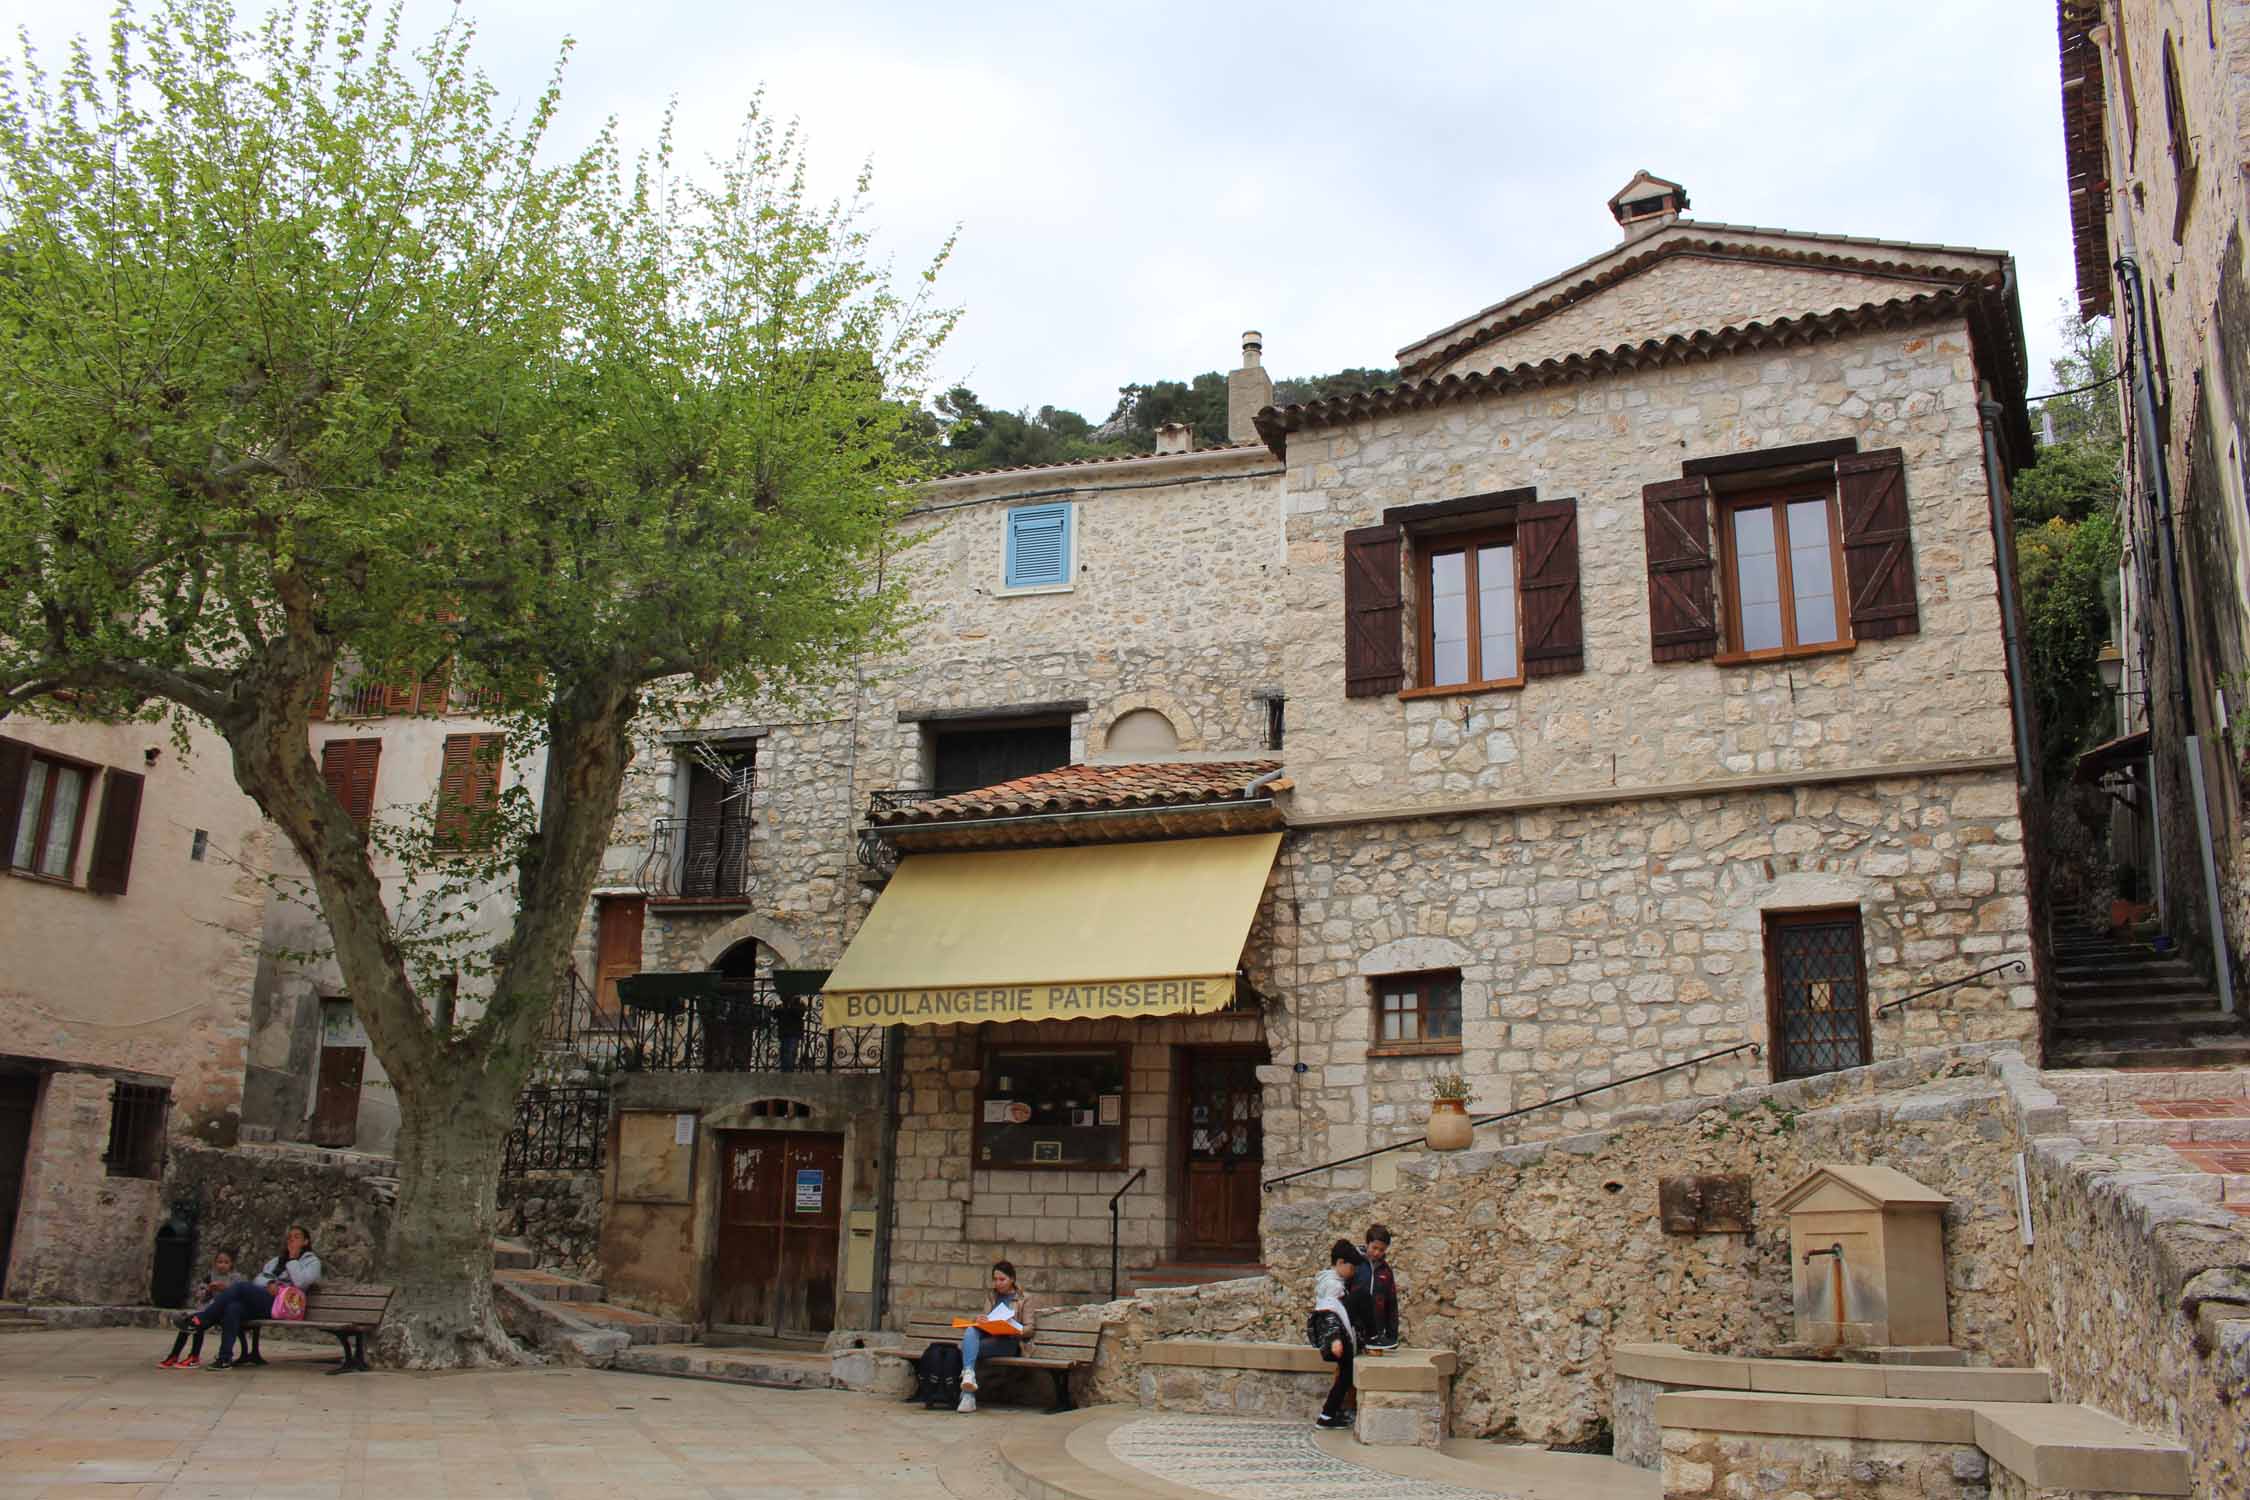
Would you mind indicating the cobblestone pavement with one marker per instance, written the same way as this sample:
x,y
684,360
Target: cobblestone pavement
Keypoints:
x,y
89,1414
1261,1461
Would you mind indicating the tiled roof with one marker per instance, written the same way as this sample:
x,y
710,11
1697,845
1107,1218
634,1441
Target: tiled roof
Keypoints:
x,y
1975,301
1610,267
1084,463
1077,789
2086,151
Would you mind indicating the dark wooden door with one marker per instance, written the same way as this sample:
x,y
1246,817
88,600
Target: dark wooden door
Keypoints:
x,y
335,1120
617,951
1224,1128
779,1197
19,1098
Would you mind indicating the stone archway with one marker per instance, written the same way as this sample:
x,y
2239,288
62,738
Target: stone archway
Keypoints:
x,y
788,948
1155,700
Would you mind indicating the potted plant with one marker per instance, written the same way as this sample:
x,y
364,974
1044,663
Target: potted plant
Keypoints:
x,y
1449,1113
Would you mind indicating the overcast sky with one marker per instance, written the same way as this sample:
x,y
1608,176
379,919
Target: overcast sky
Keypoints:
x,y
1136,185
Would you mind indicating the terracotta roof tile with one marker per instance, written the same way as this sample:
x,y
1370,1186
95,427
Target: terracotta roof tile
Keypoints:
x,y
1074,789
1083,463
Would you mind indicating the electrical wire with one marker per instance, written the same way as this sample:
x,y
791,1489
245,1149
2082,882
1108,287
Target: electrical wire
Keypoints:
x,y
2076,390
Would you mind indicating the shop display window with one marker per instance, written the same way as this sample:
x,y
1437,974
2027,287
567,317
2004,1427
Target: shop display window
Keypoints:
x,y
1052,1107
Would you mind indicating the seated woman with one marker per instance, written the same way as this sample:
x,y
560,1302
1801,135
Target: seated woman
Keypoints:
x,y
247,1301
1009,1305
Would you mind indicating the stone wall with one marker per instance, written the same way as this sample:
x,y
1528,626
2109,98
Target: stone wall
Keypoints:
x,y
1714,1464
559,1214
1605,939
2136,1295
1533,1261
81,1235
247,1198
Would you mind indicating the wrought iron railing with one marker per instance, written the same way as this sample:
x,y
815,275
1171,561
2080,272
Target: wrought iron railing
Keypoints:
x,y
743,1026
699,858
559,1128
1885,1009
578,1022
1115,1227
875,852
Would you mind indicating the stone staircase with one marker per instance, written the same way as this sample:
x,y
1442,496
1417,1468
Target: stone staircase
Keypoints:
x,y
2121,1004
1176,1274
2187,1128
566,1317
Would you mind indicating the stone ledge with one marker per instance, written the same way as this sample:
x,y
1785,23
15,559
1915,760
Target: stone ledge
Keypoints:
x,y
1400,1370
1668,1364
2045,1445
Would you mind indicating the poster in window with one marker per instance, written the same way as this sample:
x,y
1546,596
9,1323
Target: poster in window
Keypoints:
x,y
1047,1152
996,1111
1081,1118
1112,1108
812,1188
1065,1107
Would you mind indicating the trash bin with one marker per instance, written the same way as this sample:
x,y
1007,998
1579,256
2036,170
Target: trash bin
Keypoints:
x,y
174,1272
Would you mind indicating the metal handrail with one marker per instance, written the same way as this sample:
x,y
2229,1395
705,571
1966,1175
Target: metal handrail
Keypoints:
x,y
1138,1174
2016,964
1344,1161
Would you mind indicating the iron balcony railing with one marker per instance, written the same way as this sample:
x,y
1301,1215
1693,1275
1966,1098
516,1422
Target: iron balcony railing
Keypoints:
x,y
875,852
559,1128
578,1023
704,858
742,1026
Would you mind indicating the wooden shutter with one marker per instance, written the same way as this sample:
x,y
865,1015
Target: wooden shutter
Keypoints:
x,y
468,788
318,708
430,692
15,771
1554,628
112,864
1038,546
398,699
1878,544
1683,617
1374,610
348,766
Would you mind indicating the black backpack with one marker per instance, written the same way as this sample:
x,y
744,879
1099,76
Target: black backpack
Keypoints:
x,y
937,1374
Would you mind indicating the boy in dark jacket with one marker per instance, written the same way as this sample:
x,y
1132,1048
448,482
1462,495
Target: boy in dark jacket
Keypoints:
x,y
1377,1285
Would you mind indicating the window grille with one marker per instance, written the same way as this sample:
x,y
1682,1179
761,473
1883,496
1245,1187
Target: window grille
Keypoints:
x,y
136,1130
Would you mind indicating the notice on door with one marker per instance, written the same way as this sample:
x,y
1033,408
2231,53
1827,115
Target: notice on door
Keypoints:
x,y
812,1189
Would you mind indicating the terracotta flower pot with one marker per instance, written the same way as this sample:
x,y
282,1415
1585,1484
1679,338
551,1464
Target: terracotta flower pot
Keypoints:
x,y
1449,1125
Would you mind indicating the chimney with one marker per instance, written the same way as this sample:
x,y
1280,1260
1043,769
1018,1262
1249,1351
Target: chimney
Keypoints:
x,y
1249,390
1647,204
1175,437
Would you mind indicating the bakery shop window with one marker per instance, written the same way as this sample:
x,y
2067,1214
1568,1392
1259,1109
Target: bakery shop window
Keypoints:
x,y
1052,1107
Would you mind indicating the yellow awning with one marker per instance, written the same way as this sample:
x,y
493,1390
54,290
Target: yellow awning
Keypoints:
x,y
1038,934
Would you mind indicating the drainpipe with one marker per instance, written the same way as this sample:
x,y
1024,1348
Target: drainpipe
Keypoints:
x,y
2003,552
2158,471
886,1169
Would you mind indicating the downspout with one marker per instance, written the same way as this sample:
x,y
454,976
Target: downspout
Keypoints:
x,y
886,1169
2003,552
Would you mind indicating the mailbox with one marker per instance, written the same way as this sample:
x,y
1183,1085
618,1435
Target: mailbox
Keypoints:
x,y
1867,1258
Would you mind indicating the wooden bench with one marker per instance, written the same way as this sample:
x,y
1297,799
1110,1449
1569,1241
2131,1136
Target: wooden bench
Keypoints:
x,y
1058,1351
350,1312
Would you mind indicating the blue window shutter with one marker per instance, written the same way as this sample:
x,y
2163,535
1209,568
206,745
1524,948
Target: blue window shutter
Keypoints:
x,y
1038,546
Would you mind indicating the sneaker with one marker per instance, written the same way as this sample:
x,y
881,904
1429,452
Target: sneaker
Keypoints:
x,y
968,1401
968,1380
1386,1344
188,1361
167,1363
220,1364
1327,1421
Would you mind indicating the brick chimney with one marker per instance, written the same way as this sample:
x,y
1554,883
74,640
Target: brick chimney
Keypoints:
x,y
1647,204
1175,437
1249,390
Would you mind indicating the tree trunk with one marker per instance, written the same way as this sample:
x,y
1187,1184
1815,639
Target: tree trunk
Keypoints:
x,y
452,1127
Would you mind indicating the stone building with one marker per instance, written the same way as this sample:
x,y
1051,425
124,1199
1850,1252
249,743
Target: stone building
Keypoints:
x,y
1629,684
130,921
2156,126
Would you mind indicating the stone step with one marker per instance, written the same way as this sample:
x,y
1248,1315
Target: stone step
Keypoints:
x,y
2125,1005
2166,1026
638,1327
21,1325
550,1286
2231,1053
778,1369
1190,1273
2130,987
513,1255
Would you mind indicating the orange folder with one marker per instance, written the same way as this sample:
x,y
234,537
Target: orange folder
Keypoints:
x,y
993,1326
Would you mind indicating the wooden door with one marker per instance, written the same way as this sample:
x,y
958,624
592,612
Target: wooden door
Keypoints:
x,y
1224,1130
617,952
335,1120
19,1098
779,1196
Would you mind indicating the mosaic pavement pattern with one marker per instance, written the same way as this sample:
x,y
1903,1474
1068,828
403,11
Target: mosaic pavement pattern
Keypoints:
x,y
1261,1461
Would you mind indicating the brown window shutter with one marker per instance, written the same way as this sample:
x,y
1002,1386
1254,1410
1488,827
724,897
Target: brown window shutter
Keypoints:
x,y
112,865
348,766
15,771
398,699
1374,611
449,830
1554,627
1683,616
431,692
318,708
484,772
1878,544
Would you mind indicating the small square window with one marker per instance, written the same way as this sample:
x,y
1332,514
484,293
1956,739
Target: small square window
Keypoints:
x,y
1417,1012
1039,546
136,1130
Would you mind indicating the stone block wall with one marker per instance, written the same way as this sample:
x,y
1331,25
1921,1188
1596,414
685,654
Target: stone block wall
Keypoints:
x,y
247,1198
559,1214
81,1235
1707,1465
1604,939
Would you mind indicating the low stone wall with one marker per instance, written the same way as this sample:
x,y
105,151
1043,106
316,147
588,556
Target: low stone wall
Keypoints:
x,y
246,1198
1705,1464
559,1214
1534,1261
2136,1294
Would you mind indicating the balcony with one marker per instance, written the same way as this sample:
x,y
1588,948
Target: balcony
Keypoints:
x,y
704,1023
704,860
874,853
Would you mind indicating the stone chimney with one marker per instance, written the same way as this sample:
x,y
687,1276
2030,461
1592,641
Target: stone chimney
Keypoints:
x,y
1647,204
1175,437
1249,390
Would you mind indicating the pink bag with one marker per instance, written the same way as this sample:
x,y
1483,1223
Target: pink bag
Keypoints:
x,y
288,1303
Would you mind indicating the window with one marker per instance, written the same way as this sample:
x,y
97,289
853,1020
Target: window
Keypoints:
x,y
371,698
136,1130
468,793
966,758
1040,546
1052,1107
1469,623
1816,992
348,766
1417,1013
1783,572
43,800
